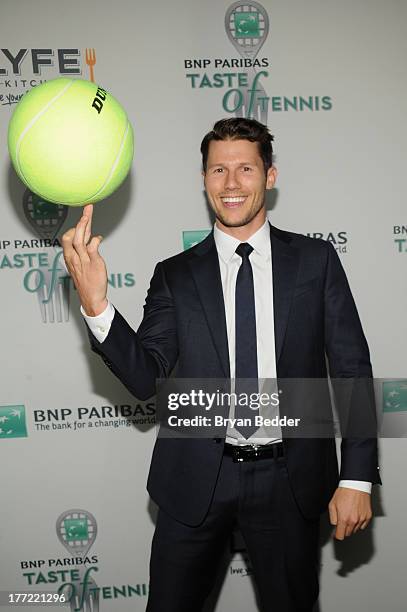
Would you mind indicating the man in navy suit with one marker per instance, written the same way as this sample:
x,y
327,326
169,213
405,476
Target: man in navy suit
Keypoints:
x,y
249,302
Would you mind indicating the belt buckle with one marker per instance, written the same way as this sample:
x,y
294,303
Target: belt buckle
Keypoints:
x,y
247,454
254,452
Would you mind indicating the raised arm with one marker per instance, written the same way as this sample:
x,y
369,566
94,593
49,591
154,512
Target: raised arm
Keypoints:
x,y
136,358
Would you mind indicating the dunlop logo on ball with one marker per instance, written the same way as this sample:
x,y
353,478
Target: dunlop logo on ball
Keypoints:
x,y
99,99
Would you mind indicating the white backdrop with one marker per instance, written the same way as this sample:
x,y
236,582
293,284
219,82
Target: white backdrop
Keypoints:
x,y
64,444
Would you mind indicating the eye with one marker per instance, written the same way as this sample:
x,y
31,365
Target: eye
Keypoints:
x,y
218,170
247,169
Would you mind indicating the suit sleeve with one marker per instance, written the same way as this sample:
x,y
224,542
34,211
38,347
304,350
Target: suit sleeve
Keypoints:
x,y
351,374
139,358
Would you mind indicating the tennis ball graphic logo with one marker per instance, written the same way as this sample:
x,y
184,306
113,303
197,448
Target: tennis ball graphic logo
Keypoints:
x,y
70,141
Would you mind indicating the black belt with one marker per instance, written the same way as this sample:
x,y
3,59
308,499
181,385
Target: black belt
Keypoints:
x,y
253,452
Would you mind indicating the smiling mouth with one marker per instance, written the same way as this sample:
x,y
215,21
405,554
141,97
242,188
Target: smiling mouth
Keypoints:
x,y
233,201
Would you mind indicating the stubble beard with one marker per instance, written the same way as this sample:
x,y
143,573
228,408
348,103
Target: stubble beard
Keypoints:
x,y
251,214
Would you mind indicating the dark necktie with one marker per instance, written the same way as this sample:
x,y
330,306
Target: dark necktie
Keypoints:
x,y
246,345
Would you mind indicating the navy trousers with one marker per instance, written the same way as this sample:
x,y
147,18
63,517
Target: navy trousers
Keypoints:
x,y
256,497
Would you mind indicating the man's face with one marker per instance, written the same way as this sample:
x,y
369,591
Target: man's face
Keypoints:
x,y
235,181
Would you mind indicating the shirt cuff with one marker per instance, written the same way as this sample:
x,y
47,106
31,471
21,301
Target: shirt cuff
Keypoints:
x,y
100,325
359,485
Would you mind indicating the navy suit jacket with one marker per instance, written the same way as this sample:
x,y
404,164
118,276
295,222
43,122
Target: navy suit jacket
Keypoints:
x,y
315,320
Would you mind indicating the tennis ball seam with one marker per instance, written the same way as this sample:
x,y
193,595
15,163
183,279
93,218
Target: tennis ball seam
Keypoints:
x,y
114,166
33,121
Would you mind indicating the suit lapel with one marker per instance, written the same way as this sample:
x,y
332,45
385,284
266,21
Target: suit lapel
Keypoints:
x,y
206,273
285,260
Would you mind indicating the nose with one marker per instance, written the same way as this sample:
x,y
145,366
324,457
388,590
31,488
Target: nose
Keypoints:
x,y
231,181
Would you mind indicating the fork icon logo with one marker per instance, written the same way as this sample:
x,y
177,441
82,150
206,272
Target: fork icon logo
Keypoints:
x,y
51,284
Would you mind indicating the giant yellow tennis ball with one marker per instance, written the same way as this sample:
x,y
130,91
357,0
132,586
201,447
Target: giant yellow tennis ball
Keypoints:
x,y
70,141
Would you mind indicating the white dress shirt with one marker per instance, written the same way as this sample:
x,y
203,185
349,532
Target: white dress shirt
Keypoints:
x,y
229,263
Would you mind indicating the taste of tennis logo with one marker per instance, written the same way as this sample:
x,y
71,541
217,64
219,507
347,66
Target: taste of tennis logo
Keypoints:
x,y
76,530
45,275
247,27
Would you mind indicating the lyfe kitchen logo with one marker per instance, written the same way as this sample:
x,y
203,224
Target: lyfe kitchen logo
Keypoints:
x,y
23,69
12,422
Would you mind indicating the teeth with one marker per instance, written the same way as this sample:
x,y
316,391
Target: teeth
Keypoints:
x,y
233,200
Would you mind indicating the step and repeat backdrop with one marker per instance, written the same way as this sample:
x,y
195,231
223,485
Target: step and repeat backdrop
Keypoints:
x,y
328,78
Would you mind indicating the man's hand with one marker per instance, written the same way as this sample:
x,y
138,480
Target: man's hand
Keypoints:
x,y
350,510
85,264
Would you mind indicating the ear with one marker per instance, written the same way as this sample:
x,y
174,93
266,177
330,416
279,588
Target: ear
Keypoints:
x,y
271,177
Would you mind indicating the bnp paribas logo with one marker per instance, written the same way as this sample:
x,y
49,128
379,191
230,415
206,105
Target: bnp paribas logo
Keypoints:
x,y
192,237
12,422
395,396
76,529
247,25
